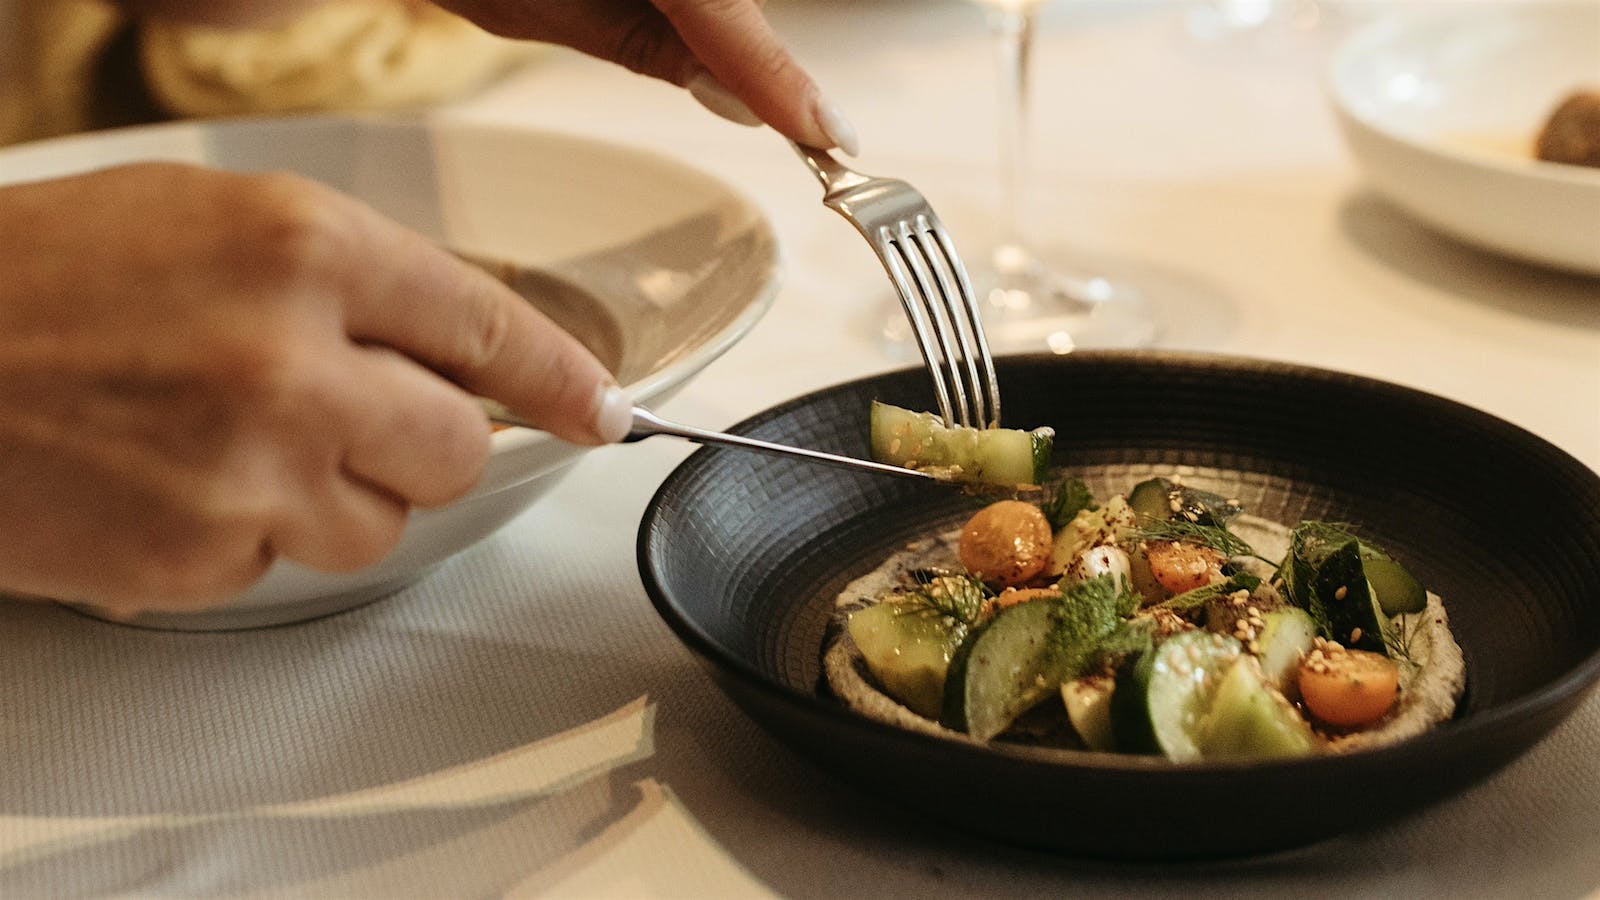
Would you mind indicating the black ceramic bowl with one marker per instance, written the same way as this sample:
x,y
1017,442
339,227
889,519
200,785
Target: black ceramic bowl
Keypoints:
x,y
743,553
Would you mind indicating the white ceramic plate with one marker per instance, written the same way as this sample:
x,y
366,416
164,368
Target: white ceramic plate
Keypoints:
x,y
659,267
1441,108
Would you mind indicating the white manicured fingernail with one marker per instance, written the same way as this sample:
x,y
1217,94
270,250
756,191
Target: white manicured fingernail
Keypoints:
x,y
704,87
613,414
836,126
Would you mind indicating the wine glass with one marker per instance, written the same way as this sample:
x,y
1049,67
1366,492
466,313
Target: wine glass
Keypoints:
x,y
1032,299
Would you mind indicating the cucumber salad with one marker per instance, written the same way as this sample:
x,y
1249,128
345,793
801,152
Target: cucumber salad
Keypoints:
x,y
1164,621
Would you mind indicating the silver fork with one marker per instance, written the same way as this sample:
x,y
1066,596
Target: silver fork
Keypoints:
x,y
929,277
648,424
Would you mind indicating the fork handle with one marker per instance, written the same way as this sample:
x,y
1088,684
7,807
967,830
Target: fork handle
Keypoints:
x,y
834,175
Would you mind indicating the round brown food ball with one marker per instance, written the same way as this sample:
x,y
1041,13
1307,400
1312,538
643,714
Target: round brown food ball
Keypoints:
x,y
1572,133
1007,543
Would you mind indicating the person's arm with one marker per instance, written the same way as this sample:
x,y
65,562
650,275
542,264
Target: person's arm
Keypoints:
x,y
202,372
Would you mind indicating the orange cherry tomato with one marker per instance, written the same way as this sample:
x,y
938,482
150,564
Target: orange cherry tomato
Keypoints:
x,y
1006,543
1180,567
1349,688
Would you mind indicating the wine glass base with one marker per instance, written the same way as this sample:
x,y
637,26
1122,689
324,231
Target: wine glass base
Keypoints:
x,y
1044,310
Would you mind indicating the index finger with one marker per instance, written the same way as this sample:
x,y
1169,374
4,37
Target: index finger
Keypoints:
x,y
737,45
401,291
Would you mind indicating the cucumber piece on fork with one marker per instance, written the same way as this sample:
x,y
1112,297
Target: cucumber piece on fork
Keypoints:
x,y
997,456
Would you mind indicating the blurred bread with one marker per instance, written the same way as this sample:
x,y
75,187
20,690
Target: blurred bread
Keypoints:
x,y
346,54
76,65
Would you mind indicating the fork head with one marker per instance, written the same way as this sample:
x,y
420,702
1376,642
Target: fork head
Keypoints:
x,y
929,278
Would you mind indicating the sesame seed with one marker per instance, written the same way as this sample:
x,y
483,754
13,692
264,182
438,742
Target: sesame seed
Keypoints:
x,y
1355,635
1341,593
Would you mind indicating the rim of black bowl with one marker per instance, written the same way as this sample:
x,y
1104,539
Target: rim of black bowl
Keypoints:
x,y
1566,687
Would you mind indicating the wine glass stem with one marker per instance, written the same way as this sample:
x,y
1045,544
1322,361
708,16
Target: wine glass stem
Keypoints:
x,y
1012,28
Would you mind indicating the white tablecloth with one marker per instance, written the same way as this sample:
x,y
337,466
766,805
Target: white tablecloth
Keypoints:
x,y
522,722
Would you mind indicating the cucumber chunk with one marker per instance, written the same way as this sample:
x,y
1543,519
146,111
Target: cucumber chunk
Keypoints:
x,y
1283,640
1107,524
1002,670
1159,701
1353,615
998,456
1088,703
1397,590
1160,498
1247,719
1152,498
908,651
1025,653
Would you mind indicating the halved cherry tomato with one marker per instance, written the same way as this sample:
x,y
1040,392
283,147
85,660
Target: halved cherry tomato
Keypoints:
x,y
1180,567
1349,688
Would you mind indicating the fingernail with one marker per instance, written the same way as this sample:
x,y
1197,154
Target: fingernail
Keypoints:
x,y
836,126
613,414
704,87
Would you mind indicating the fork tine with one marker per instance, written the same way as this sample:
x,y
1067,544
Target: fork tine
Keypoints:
x,y
972,319
927,273
961,313
921,317
930,291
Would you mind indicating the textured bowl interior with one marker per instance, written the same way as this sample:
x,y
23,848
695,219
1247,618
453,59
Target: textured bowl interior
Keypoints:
x,y
742,554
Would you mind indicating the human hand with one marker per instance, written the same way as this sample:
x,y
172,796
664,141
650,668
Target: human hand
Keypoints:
x,y
724,51
203,372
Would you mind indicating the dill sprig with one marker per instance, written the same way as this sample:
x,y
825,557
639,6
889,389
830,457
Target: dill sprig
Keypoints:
x,y
1064,500
1397,639
957,595
1217,537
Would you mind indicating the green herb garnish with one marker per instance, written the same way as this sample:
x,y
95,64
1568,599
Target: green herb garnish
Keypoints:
x,y
1217,537
960,596
1200,596
1128,639
1089,611
1397,639
1064,500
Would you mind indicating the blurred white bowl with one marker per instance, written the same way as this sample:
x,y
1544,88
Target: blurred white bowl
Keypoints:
x,y
657,266
1441,110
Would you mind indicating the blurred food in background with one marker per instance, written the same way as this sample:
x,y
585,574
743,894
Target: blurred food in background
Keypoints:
x,y
77,65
